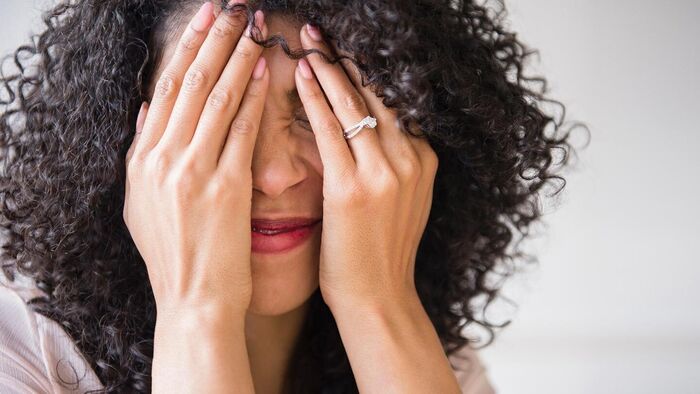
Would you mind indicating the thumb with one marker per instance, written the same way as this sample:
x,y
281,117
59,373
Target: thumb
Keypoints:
x,y
140,119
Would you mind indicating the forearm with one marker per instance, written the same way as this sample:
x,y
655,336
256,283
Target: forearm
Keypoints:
x,y
201,350
395,349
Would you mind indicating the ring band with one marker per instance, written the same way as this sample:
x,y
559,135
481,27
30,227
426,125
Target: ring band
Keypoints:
x,y
368,121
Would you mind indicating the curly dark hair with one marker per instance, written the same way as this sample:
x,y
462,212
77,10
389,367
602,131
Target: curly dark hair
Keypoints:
x,y
448,66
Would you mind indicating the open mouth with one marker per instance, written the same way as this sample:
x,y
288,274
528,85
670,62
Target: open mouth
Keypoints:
x,y
274,232
272,227
281,237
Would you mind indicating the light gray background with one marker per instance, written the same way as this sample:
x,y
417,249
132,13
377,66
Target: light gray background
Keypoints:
x,y
612,306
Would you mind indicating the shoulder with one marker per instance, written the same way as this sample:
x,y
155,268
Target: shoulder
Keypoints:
x,y
36,355
470,372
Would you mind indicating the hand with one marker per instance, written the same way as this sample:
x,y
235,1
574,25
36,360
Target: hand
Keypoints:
x,y
377,186
189,182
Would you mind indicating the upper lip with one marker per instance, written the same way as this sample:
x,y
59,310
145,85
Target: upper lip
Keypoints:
x,y
283,223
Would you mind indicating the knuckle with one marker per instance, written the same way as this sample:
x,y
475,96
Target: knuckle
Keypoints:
x,y
242,126
183,180
227,188
166,86
222,29
353,101
386,183
159,165
125,217
220,189
432,159
328,126
242,53
220,99
428,157
195,79
412,167
189,163
135,161
132,171
188,42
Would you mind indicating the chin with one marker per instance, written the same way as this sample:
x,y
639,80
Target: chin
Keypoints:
x,y
275,302
284,282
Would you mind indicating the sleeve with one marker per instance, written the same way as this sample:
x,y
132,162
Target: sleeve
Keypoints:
x,y
22,369
36,354
470,372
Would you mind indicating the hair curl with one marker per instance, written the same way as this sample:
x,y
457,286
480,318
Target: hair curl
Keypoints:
x,y
448,67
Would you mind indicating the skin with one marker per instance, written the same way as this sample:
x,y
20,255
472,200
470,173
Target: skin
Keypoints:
x,y
228,317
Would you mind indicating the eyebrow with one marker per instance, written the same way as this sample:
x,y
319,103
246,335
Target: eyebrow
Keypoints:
x,y
293,96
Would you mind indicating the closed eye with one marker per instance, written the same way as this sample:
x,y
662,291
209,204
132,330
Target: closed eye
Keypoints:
x,y
305,124
300,115
303,120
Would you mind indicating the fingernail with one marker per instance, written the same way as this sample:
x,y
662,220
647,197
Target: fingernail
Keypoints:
x,y
305,69
259,19
259,70
203,17
314,32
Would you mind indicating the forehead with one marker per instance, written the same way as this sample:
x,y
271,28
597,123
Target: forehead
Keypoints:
x,y
282,85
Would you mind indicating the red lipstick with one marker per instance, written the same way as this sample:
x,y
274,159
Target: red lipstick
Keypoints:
x,y
282,235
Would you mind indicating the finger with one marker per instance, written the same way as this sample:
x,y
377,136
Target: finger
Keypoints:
x,y
400,153
387,116
426,183
332,146
201,76
226,97
405,153
348,105
140,119
426,206
237,153
167,86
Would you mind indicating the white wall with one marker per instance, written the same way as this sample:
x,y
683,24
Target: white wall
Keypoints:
x,y
612,306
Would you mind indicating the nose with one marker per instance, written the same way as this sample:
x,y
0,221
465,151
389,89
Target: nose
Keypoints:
x,y
275,167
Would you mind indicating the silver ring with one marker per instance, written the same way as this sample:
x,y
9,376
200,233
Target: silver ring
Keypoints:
x,y
368,121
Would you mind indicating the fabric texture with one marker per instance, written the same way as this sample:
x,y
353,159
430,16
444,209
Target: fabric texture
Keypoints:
x,y
37,356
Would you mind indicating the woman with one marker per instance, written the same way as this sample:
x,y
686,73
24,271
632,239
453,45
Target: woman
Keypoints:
x,y
337,263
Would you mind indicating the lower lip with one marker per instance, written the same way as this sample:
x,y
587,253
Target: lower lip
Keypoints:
x,y
282,242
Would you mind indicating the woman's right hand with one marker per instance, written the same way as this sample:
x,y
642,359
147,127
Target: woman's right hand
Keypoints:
x,y
189,183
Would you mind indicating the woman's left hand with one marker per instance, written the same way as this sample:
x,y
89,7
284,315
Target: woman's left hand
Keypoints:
x,y
377,186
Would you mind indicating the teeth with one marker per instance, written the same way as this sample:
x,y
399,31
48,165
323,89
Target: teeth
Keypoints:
x,y
273,232
267,232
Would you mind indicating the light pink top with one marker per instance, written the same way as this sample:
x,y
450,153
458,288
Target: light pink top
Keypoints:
x,y
31,346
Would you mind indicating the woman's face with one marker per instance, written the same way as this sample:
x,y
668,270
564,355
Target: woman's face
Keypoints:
x,y
287,181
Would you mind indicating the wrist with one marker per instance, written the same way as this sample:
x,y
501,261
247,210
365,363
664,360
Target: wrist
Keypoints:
x,y
376,306
199,316
200,348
